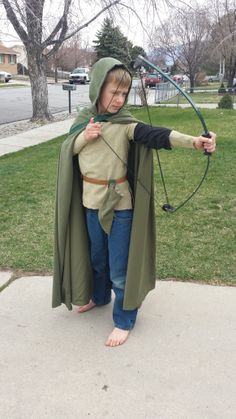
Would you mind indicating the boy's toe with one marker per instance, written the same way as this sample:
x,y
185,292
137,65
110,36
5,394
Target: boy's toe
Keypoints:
x,y
117,337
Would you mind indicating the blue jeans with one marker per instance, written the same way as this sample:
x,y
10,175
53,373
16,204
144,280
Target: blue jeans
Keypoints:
x,y
109,257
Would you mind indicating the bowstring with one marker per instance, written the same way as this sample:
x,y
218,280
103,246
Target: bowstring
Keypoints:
x,y
157,153
129,170
168,207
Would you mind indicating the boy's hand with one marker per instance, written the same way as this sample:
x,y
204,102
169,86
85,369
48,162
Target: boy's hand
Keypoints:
x,y
92,131
208,144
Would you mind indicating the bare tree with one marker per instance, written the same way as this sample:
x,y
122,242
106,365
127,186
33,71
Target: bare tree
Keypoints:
x,y
224,35
184,36
72,53
26,16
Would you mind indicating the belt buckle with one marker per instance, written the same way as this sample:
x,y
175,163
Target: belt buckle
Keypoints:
x,y
112,183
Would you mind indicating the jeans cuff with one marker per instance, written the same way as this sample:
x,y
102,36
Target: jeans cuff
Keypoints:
x,y
104,303
124,328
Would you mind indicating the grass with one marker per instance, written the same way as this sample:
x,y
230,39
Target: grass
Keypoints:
x,y
11,85
209,86
196,243
199,97
202,94
27,205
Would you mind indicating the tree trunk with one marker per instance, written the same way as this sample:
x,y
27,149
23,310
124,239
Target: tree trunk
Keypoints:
x,y
56,74
191,79
39,89
232,72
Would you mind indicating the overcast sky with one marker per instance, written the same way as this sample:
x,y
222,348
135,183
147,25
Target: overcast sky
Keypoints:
x,y
129,24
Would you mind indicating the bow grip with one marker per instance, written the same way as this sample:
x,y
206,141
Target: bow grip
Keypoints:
x,y
206,135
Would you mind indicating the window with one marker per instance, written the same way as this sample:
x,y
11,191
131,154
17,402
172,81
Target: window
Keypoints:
x,y
1,59
12,59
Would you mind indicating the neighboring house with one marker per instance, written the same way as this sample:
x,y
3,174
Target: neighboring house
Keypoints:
x,y
21,55
8,61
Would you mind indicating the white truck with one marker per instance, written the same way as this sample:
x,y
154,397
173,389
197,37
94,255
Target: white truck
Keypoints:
x,y
79,75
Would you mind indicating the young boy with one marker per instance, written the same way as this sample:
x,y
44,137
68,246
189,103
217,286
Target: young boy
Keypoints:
x,y
105,219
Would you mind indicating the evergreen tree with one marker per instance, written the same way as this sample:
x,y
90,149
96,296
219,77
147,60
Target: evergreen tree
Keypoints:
x,y
111,42
136,50
226,102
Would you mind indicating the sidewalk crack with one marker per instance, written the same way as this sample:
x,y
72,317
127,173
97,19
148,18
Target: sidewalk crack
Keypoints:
x,y
12,279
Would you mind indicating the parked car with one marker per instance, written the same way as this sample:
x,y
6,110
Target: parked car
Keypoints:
x,y
180,78
5,76
79,75
215,77
151,80
185,78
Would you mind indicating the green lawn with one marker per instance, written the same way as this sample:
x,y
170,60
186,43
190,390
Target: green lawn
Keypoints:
x,y
199,97
196,243
202,94
11,85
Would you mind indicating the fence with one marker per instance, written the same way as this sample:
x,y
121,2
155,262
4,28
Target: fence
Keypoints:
x,y
64,75
161,93
165,91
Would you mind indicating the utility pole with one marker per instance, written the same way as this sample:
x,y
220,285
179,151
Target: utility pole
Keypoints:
x,y
222,70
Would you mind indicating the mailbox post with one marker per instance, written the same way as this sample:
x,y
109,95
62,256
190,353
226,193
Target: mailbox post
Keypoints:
x,y
69,87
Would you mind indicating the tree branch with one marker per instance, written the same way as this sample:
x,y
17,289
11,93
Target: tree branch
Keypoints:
x,y
56,41
59,25
13,19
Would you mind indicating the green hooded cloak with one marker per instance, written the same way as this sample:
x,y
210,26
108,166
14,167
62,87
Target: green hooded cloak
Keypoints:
x,y
73,278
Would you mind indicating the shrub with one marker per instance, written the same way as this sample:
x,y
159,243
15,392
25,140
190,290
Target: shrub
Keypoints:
x,y
226,102
201,79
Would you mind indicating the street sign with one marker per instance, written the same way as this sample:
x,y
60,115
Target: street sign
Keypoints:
x,y
68,86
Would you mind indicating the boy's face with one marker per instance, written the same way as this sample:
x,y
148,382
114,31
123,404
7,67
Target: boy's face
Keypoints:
x,y
112,98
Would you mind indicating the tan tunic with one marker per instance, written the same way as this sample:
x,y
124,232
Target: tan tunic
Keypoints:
x,y
97,160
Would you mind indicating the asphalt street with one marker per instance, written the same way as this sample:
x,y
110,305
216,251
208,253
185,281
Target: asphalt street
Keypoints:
x,y
16,103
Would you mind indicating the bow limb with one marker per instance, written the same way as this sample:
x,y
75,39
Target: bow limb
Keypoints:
x,y
167,207
189,99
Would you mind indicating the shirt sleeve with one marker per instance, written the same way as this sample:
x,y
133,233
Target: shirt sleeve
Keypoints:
x,y
152,137
158,137
79,143
177,139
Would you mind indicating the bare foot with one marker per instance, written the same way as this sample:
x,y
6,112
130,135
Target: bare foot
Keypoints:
x,y
117,337
86,307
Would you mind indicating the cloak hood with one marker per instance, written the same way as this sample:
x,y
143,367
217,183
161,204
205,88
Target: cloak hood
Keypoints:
x,y
98,75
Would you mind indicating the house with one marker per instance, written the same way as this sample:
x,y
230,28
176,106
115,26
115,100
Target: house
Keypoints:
x,y
8,61
21,57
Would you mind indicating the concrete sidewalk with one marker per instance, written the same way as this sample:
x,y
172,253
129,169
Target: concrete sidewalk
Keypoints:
x,y
178,363
34,136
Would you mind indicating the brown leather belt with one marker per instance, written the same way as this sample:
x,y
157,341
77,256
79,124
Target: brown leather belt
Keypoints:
x,y
103,181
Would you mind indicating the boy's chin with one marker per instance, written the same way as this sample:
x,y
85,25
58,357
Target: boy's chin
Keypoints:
x,y
114,110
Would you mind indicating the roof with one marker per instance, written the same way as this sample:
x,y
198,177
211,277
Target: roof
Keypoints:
x,y
5,50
